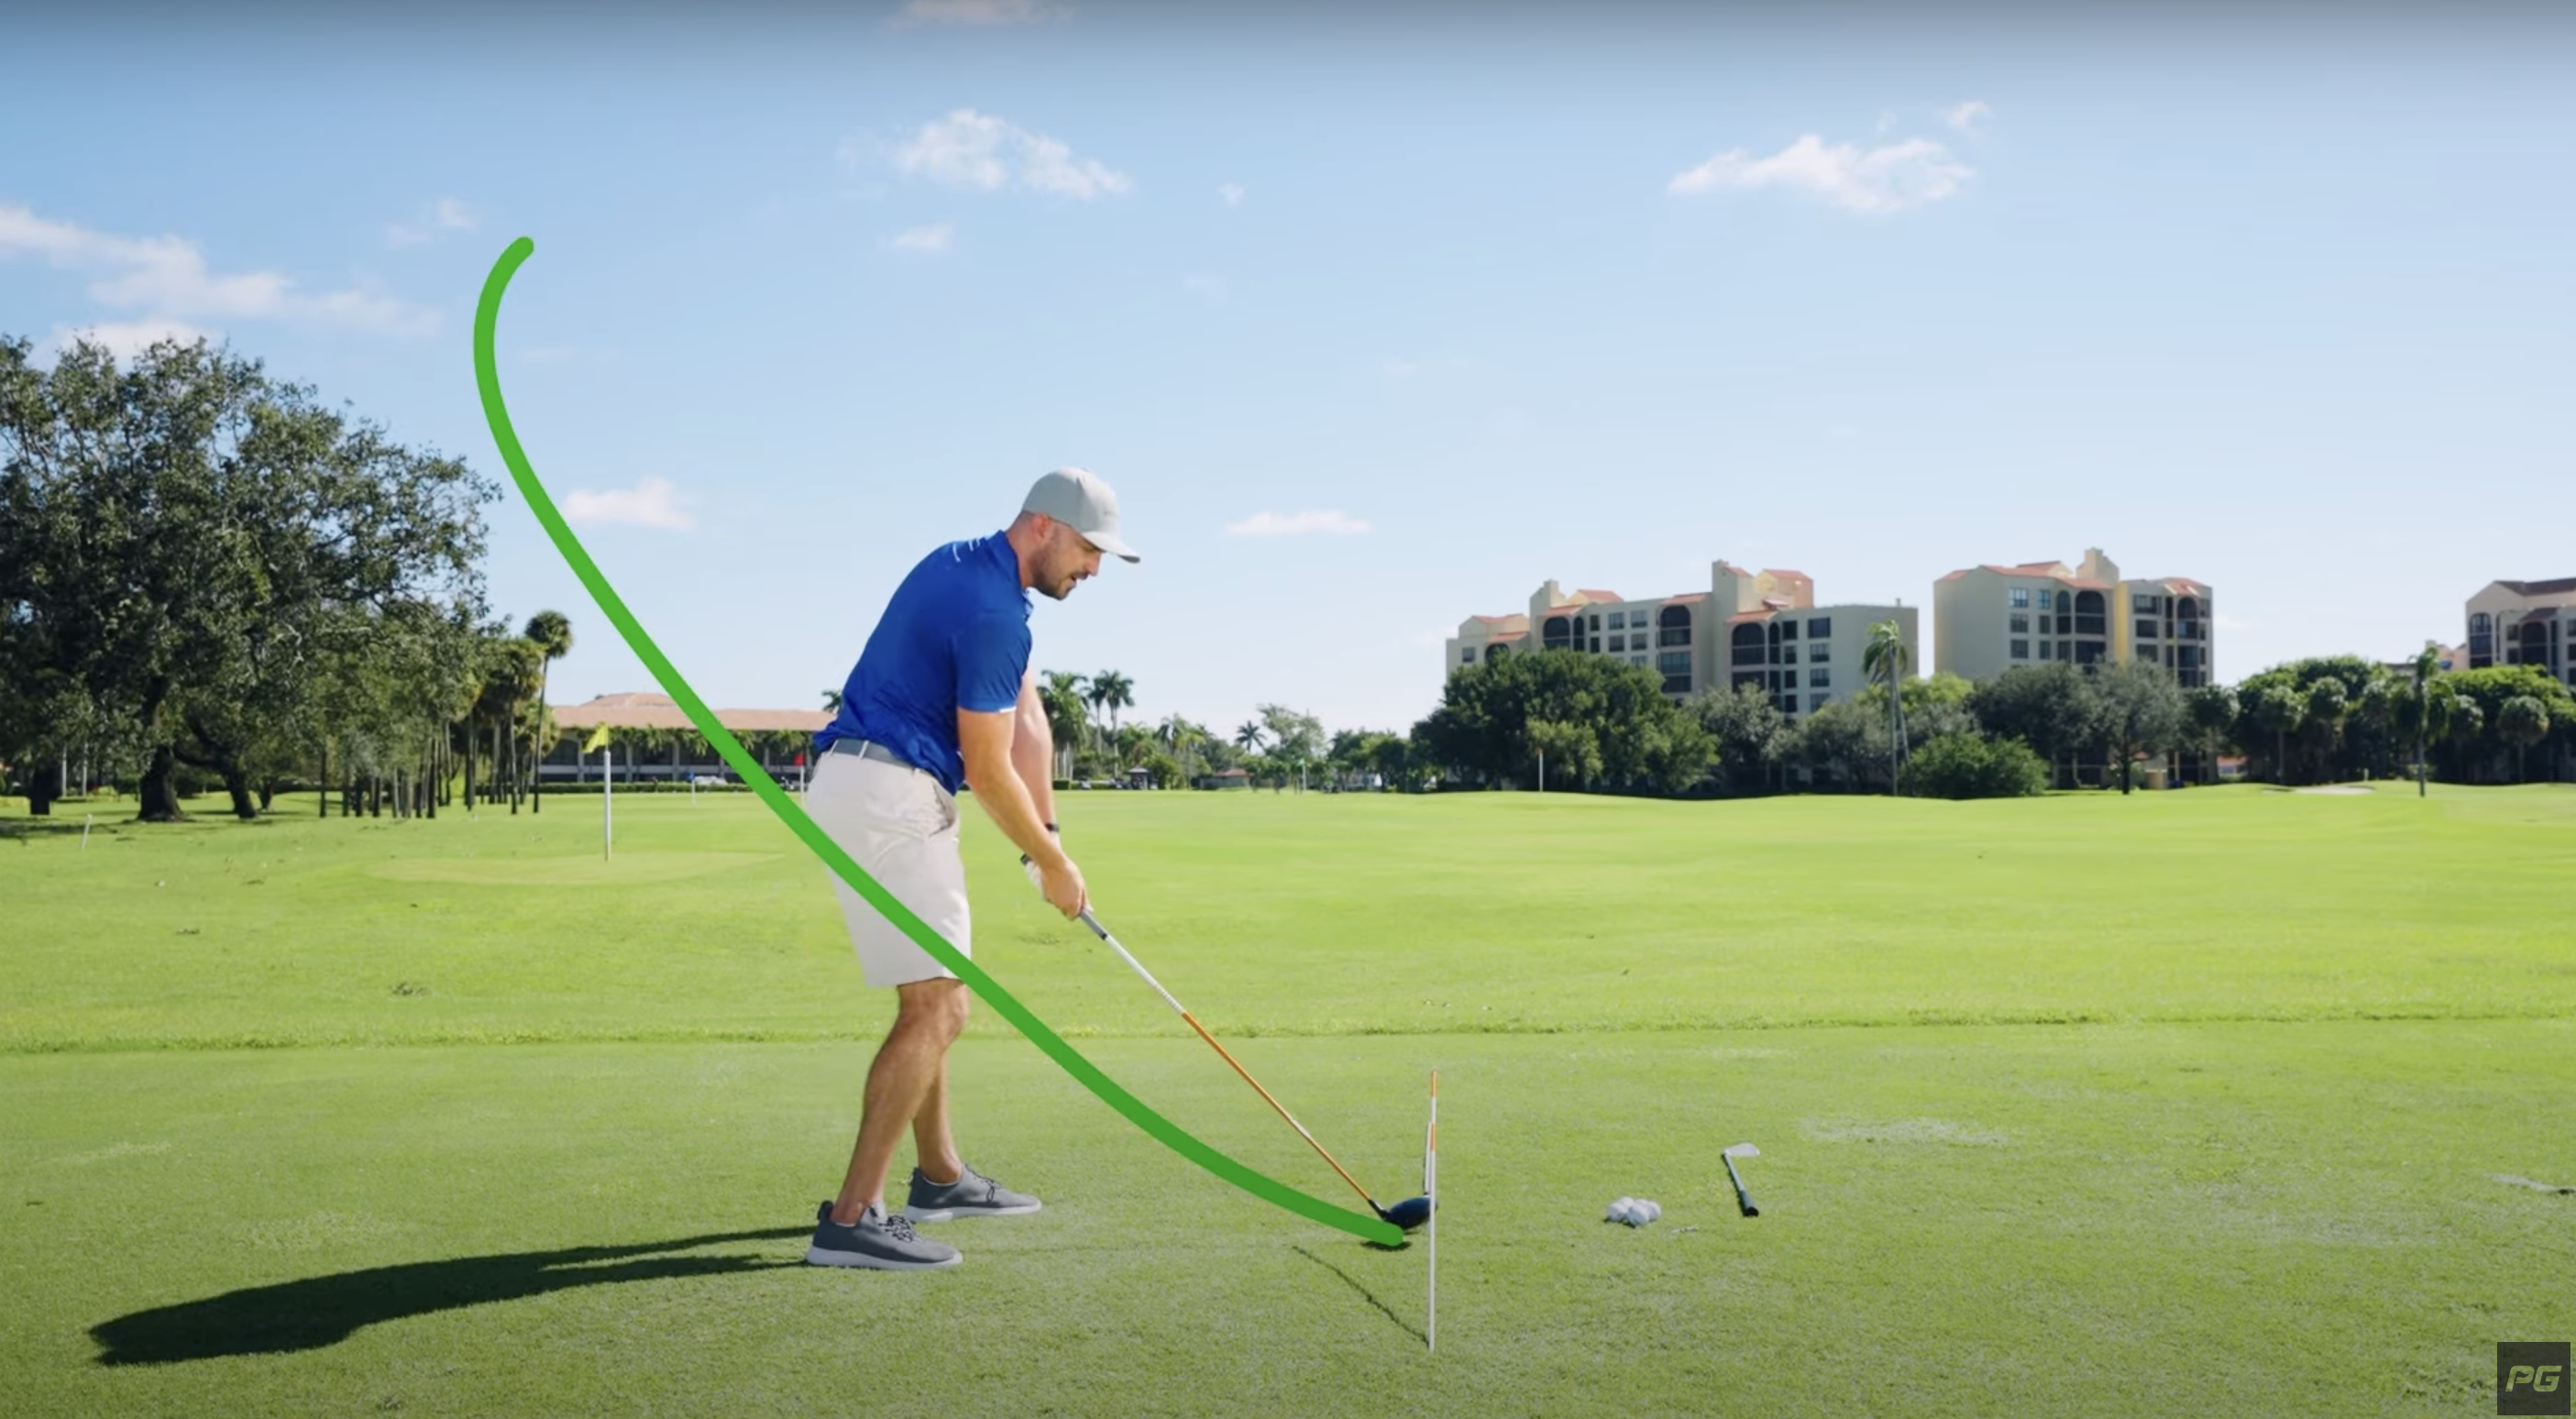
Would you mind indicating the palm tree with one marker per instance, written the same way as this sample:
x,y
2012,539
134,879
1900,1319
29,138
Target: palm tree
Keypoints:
x,y
2421,711
1062,696
831,702
1887,660
1114,692
1247,736
2280,709
2522,721
552,634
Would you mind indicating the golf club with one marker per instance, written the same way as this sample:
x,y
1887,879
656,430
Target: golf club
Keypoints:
x,y
1743,1199
1412,1212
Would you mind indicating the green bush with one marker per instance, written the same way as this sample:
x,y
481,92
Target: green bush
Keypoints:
x,y
1964,765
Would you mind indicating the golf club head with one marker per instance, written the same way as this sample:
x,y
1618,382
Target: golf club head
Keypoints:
x,y
1743,1150
1412,1212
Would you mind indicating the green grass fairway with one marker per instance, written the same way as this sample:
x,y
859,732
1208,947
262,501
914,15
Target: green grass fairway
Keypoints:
x,y
2216,1102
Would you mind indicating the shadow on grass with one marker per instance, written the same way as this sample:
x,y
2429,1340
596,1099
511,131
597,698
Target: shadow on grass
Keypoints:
x,y
1365,1293
325,1310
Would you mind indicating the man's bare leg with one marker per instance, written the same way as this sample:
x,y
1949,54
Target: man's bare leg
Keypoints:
x,y
931,1141
928,1015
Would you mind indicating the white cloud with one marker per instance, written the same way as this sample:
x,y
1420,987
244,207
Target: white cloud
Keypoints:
x,y
652,503
125,341
1232,192
1966,116
444,215
1271,524
166,279
982,13
985,153
931,239
1891,178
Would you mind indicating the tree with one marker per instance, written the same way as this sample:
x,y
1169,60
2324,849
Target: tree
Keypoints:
x,y
1296,740
1602,723
1888,660
2051,707
1745,729
1247,736
2141,711
2345,732
2329,702
1062,695
2279,709
2523,722
1836,741
2478,749
1964,764
551,633
1112,692
2417,709
2211,710
191,539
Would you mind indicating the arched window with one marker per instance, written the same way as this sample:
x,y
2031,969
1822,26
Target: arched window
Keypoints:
x,y
1673,627
1748,644
1495,652
1558,633
2089,619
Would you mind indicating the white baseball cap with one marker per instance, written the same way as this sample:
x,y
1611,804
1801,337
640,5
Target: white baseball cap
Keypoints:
x,y
1077,498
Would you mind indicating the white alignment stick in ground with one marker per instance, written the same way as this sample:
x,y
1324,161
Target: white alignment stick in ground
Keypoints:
x,y
1431,1189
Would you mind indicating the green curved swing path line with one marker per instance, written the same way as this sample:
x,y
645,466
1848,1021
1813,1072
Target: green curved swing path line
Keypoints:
x,y
487,315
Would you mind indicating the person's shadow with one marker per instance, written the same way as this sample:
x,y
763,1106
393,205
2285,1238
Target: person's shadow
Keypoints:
x,y
325,1310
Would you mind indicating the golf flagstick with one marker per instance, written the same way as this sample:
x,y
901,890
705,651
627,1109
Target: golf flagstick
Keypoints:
x,y
1193,1022
1431,1189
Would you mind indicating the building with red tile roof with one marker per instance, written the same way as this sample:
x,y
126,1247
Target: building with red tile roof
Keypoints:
x,y
1761,629
1989,618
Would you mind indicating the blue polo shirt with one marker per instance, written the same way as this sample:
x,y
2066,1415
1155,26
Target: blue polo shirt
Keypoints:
x,y
955,636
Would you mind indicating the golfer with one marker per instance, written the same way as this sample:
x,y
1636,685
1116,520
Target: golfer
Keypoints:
x,y
942,697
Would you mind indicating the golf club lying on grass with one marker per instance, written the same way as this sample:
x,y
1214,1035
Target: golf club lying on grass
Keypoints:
x,y
1412,1212
1743,1199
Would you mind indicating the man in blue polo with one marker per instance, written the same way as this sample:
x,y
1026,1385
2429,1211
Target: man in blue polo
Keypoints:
x,y
943,697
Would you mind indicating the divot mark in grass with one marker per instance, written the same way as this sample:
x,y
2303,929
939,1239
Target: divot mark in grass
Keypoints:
x,y
2511,1180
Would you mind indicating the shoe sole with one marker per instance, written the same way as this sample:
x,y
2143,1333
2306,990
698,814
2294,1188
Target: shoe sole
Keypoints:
x,y
816,1256
951,1214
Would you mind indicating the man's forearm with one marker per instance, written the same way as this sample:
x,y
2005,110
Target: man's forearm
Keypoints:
x,y
1007,802
1033,755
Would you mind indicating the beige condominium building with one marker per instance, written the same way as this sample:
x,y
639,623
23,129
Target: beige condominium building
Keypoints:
x,y
2525,623
1749,628
1988,619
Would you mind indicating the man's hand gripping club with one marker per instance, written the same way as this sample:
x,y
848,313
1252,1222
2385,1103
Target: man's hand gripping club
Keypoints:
x,y
1010,758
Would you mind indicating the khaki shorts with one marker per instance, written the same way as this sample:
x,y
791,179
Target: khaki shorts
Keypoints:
x,y
900,826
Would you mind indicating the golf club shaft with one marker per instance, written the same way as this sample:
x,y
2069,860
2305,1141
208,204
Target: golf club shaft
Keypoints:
x,y
1743,1199
1193,1022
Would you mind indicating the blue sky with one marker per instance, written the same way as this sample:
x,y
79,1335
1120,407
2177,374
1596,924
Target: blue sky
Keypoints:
x,y
1375,319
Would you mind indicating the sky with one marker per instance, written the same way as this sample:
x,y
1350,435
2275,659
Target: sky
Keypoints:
x,y
1376,317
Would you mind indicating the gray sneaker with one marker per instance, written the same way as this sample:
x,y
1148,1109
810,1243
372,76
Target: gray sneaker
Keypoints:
x,y
875,1240
972,1195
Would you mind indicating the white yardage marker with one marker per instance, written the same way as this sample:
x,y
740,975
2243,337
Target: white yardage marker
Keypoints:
x,y
1431,1189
